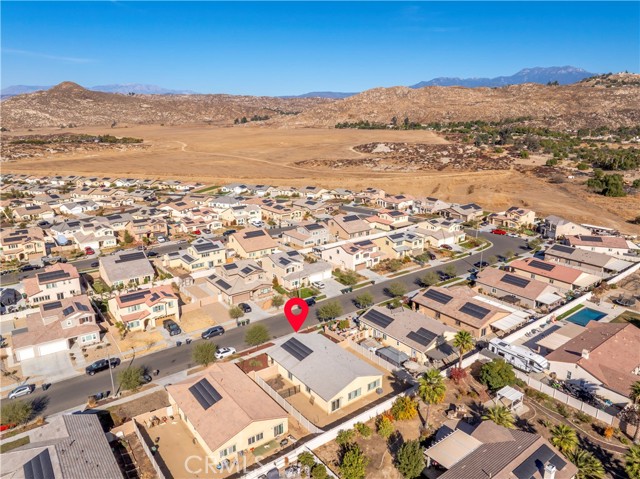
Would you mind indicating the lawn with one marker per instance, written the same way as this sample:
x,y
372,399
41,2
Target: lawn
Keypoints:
x,y
303,293
346,277
8,446
570,312
628,317
207,189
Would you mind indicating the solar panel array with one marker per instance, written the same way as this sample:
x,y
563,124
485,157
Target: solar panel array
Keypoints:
x,y
246,270
39,467
223,284
254,234
296,349
437,296
562,249
422,336
68,310
474,310
314,226
230,266
125,258
542,266
52,276
591,239
127,298
378,318
81,307
205,393
530,467
50,306
515,280
350,218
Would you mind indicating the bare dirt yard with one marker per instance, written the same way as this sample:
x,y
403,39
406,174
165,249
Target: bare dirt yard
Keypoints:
x,y
304,156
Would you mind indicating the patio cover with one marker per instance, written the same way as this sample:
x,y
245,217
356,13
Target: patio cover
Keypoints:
x,y
453,448
509,396
509,322
441,352
549,298
559,337
392,355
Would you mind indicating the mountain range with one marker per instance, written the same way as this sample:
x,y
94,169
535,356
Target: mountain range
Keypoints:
x,y
563,75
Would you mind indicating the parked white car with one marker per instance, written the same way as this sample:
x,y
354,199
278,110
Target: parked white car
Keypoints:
x,y
257,223
225,353
318,284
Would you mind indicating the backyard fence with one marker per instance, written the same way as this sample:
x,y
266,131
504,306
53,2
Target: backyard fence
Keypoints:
x,y
152,458
569,400
371,356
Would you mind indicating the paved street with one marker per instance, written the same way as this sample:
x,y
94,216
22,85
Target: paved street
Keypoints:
x,y
73,392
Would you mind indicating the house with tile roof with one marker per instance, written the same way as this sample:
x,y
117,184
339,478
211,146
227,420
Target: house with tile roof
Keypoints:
x,y
349,226
22,244
514,218
555,227
604,359
307,235
126,268
144,309
401,245
55,282
354,256
241,281
563,278
611,245
253,243
466,212
291,270
200,254
588,261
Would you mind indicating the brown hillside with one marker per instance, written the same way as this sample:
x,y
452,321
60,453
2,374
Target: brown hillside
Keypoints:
x,y
69,103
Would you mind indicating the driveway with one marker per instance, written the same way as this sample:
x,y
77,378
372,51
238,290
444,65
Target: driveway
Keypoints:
x,y
51,367
372,275
332,288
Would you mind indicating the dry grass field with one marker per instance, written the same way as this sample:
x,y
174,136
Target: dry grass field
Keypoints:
x,y
255,154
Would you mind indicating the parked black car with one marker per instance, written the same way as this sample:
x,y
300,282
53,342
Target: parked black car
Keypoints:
x,y
482,264
212,332
245,307
152,254
101,365
171,326
29,267
229,232
310,301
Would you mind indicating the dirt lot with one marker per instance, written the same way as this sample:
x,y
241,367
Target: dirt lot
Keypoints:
x,y
220,155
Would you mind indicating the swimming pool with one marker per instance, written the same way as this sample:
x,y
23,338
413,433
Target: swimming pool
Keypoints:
x,y
585,315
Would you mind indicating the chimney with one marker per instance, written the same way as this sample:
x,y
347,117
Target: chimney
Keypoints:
x,y
585,353
549,471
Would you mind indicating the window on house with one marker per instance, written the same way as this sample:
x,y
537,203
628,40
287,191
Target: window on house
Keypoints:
x,y
135,307
279,429
157,308
256,438
373,385
229,450
355,394
290,376
335,405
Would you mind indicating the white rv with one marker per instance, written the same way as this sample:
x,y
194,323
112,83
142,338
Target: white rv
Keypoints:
x,y
520,357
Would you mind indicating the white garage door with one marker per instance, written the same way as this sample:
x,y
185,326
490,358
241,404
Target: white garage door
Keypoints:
x,y
26,353
320,276
53,347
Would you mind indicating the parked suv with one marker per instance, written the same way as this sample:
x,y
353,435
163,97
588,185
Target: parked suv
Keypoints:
x,y
244,307
310,301
101,365
229,232
212,332
22,391
171,326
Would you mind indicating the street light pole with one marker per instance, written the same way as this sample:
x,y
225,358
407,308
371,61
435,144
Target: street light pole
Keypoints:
x,y
113,387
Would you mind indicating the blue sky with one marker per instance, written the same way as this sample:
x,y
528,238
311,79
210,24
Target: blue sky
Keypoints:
x,y
284,48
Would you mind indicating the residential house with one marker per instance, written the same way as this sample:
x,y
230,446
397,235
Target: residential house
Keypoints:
x,y
442,231
312,207
563,278
603,360
370,195
235,188
291,271
252,243
488,450
125,268
555,227
79,208
57,326
55,282
585,260
465,213
227,413
67,445
429,205
329,375
201,254
459,308
178,209
401,245
611,245
143,309
396,202
421,338
354,256
307,235
96,234
240,215
511,288
33,212
279,212
513,218
387,220
22,244
349,226
240,282
119,222
149,228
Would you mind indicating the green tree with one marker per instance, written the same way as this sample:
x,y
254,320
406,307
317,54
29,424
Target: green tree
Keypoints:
x,y
354,464
492,260
384,427
204,353
589,467
16,412
404,408
319,471
397,289
329,310
362,429
632,462
534,243
463,342
430,278
431,389
131,378
306,459
564,438
450,270
256,335
635,398
277,301
497,374
235,312
509,254
345,437
500,415
128,239
410,460
365,300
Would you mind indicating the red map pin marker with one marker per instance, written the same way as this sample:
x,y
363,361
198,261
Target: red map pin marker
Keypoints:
x,y
296,319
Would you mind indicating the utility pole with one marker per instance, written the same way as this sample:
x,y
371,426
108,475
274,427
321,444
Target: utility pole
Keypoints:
x,y
113,387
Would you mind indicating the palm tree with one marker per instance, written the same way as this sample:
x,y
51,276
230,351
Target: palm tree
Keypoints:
x,y
635,397
500,415
463,341
564,438
632,462
589,467
431,389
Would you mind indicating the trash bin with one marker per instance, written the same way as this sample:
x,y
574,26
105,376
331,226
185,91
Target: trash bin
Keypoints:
x,y
188,340
178,343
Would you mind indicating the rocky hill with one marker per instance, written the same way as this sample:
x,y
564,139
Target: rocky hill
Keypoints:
x,y
613,101
70,104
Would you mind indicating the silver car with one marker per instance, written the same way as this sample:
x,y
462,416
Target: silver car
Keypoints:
x,y
22,391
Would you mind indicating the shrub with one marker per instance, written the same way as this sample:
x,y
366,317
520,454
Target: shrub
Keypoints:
x,y
131,378
608,432
457,375
277,301
384,426
582,417
410,460
319,471
397,289
306,459
235,312
404,408
354,464
362,429
562,410
204,353
256,335
16,412
497,374
345,437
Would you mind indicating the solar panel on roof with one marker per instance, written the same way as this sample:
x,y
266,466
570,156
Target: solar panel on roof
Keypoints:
x,y
349,218
536,462
378,318
205,393
296,349
592,239
67,311
131,257
52,276
39,467
422,336
515,280
127,298
254,234
314,226
50,306
81,307
230,266
246,270
154,297
437,296
223,284
474,310
562,249
541,265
